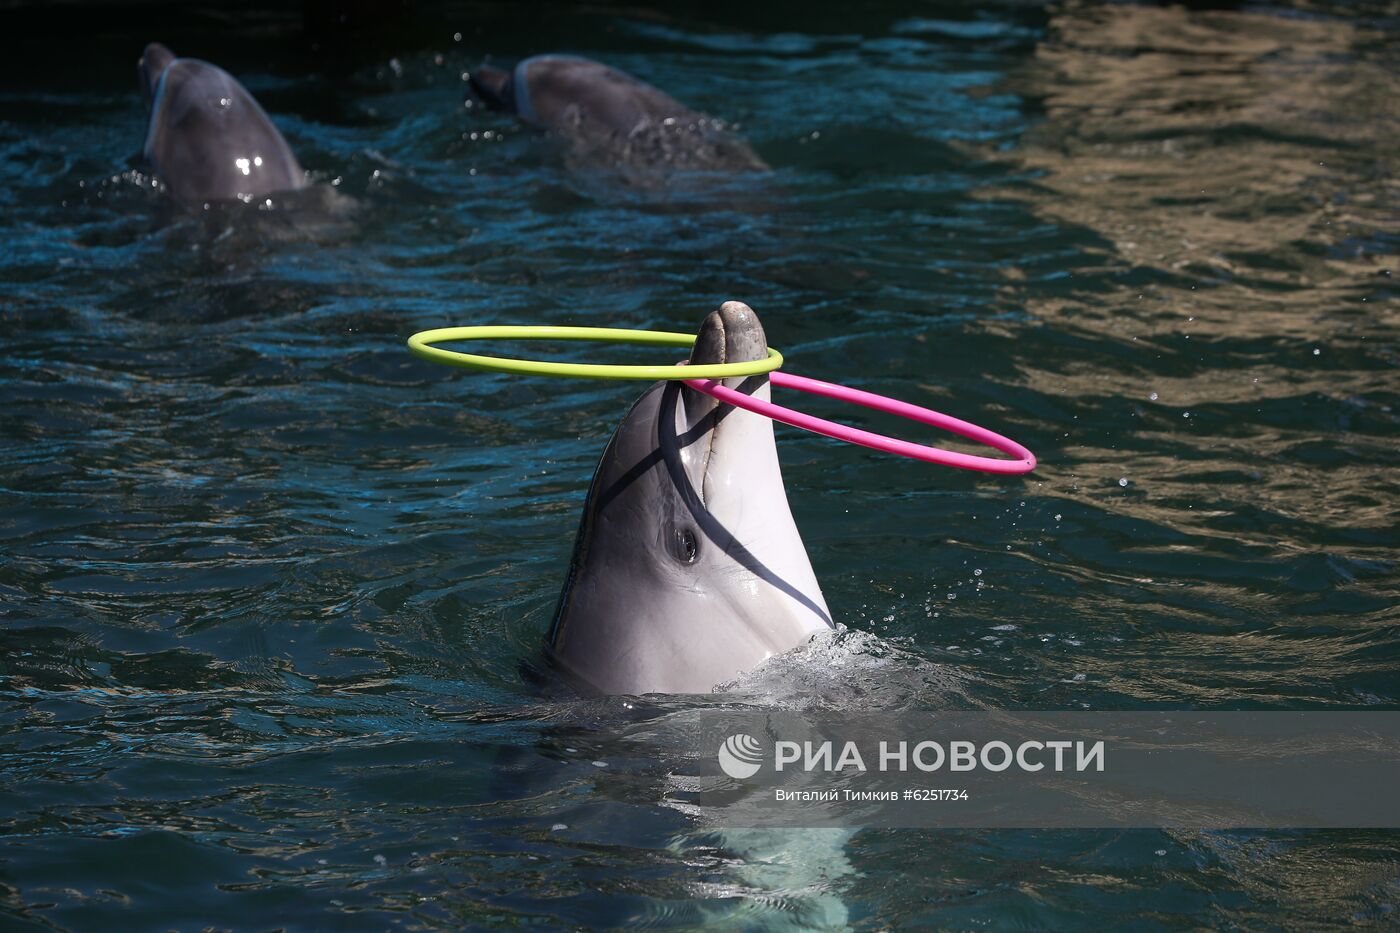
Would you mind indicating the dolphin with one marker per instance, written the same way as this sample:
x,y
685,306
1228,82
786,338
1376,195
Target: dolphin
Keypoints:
x,y
599,107
688,569
207,139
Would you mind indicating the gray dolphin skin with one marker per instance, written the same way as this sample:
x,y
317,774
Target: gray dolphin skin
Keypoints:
x,y
688,569
601,107
207,139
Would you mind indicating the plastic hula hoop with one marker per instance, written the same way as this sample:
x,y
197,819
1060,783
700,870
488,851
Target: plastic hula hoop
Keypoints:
x,y
422,345
1024,460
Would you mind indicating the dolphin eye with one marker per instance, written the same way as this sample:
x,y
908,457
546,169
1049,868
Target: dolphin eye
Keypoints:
x,y
686,546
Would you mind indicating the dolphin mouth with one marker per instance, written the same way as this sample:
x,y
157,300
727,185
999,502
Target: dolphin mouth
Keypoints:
x,y
730,334
703,483
724,453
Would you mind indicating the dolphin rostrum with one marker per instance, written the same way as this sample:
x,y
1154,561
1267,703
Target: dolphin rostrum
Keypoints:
x,y
610,114
688,569
207,139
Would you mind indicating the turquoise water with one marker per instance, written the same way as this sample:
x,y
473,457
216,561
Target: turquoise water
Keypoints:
x,y
267,582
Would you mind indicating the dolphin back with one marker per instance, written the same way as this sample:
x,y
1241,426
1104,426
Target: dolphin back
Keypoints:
x,y
207,138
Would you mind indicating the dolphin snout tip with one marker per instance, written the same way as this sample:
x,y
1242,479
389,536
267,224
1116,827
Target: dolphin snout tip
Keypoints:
x,y
155,58
732,333
737,315
491,86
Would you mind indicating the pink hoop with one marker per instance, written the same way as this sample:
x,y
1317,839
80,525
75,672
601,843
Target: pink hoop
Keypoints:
x,y
1024,462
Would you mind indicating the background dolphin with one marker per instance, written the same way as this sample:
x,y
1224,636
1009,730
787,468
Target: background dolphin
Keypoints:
x,y
608,111
207,138
688,569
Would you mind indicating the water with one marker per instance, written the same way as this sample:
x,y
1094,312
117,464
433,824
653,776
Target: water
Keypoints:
x,y
267,582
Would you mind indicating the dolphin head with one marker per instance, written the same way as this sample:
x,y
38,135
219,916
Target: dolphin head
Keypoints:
x,y
206,137
494,87
688,569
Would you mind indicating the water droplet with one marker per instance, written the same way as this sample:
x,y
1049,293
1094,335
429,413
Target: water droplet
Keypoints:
x,y
1122,481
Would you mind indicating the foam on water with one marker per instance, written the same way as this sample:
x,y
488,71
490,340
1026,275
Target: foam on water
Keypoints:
x,y
848,669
